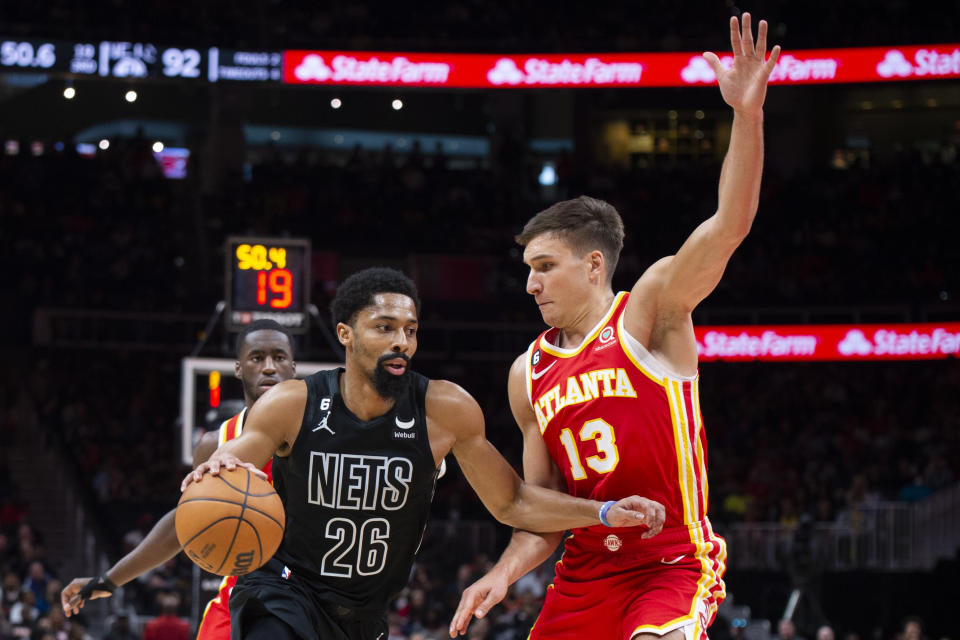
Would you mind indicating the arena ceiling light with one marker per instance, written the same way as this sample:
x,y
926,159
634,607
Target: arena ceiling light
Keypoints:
x,y
130,96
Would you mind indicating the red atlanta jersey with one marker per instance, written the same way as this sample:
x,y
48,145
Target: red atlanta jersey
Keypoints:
x,y
232,428
617,423
215,623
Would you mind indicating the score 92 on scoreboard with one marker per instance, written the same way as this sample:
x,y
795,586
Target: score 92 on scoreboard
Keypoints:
x,y
268,278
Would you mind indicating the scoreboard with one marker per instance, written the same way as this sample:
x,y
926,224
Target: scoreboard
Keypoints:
x,y
139,59
268,278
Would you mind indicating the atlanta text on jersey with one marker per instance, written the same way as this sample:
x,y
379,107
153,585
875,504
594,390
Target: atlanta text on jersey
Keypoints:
x,y
600,383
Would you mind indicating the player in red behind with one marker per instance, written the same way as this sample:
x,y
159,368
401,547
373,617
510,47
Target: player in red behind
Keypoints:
x,y
264,358
607,400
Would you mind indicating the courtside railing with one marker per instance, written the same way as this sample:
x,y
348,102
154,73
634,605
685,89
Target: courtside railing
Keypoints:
x,y
886,536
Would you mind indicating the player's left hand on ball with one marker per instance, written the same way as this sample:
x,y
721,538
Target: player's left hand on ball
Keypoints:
x,y
637,511
213,466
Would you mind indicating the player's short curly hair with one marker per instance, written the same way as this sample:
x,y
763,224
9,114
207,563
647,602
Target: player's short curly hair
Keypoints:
x,y
262,325
357,291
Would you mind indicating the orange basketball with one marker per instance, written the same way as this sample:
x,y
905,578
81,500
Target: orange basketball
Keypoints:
x,y
231,523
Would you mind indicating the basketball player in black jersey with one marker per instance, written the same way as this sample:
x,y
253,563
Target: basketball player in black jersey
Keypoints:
x,y
357,454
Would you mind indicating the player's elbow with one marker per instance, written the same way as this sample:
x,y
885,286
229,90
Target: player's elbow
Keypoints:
x,y
512,512
736,227
730,231
740,229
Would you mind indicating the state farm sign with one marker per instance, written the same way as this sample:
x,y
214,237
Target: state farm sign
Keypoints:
x,y
485,71
924,62
829,342
370,69
540,72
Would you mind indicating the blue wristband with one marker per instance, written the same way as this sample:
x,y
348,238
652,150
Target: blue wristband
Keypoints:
x,y
603,512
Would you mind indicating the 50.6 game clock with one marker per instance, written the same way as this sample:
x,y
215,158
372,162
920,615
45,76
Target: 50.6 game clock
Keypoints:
x,y
268,278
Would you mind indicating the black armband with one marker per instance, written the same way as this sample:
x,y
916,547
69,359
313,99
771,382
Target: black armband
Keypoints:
x,y
103,583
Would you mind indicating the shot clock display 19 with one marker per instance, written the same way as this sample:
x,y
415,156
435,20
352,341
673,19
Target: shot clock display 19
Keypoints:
x,y
268,278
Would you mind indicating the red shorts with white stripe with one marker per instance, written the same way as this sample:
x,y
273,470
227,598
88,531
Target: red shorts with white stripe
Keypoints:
x,y
614,586
215,624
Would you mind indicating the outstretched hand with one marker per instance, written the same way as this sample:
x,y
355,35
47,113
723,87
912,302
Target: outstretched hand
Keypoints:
x,y
478,599
72,601
213,466
744,85
636,511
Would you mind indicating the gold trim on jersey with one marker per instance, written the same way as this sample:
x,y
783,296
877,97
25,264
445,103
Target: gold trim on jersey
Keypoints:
x,y
662,629
212,601
701,457
528,369
222,437
686,463
560,352
703,539
634,357
689,462
709,578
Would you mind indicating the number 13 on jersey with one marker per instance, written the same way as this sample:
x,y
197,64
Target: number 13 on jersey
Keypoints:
x,y
607,456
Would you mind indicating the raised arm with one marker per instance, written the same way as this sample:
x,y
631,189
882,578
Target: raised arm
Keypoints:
x,y
672,287
271,427
159,545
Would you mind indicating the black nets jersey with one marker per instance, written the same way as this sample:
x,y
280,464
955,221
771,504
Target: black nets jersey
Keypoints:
x,y
357,494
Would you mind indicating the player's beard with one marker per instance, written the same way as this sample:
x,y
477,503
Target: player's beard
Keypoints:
x,y
388,385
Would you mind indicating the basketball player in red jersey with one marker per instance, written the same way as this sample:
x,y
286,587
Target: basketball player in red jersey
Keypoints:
x,y
607,400
264,358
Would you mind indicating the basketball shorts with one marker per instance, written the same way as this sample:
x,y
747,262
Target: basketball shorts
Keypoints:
x,y
265,592
215,623
611,587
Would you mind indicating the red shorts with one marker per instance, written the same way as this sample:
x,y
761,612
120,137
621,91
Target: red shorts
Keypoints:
x,y
611,586
215,623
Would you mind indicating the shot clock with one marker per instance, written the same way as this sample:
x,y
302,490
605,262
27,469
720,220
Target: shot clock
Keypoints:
x,y
268,278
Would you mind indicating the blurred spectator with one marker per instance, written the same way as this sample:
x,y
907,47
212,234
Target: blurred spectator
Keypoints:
x,y
24,612
786,631
479,629
37,580
913,629
10,588
168,625
120,628
825,633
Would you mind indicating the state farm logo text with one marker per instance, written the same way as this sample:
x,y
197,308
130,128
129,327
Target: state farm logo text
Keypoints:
x,y
347,68
789,68
539,71
769,343
885,342
926,62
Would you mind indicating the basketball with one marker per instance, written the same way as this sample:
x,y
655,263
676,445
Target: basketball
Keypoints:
x,y
231,523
